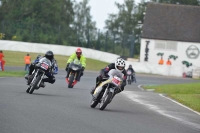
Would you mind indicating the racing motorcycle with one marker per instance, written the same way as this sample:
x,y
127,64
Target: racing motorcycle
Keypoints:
x,y
38,74
105,92
74,68
129,77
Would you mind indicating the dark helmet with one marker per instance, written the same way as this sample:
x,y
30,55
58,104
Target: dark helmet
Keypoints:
x,y
130,66
49,55
38,56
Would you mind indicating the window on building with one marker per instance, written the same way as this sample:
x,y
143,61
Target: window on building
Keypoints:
x,y
166,45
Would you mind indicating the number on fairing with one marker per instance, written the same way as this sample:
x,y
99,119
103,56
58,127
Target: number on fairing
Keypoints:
x,y
129,72
45,66
116,80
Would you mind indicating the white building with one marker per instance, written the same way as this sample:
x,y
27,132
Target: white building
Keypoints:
x,y
171,30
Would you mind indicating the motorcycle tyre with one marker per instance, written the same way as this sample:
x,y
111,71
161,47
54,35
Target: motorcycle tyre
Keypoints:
x,y
34,85
93,104
71,79
106,101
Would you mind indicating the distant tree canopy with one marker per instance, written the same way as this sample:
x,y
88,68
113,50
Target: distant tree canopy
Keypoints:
x,y
68,22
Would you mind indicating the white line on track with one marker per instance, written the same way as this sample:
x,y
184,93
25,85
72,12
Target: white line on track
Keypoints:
x,y
138,99
139,86
179,104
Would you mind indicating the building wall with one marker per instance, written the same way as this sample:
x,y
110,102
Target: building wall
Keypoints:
x,y
181,49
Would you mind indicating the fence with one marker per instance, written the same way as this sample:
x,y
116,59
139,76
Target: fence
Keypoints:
x,y
116,43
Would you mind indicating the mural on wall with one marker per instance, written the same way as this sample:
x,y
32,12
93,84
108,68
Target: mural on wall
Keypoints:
x,y
192,52
188,73
171,57
146,51
186,63
161,61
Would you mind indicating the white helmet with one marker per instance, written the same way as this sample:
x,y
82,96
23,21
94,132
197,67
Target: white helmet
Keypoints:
x,y
120,64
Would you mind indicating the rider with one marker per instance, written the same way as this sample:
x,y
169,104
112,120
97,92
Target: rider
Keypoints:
x,y
119,65
77,55
54,69
130,68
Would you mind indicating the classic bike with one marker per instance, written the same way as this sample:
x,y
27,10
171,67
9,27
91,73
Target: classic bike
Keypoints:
x,y
38,74
75,68
129,77
105,92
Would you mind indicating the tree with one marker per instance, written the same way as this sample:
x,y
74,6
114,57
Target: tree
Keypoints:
x,y
83,25
41,17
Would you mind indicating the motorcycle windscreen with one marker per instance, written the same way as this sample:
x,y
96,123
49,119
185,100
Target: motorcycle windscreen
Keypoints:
x,y
114,72
129,72
77,62
45,63
75,65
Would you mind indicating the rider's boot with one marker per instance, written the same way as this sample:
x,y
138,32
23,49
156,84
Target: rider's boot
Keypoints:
x,y
75,81
42,84
92,90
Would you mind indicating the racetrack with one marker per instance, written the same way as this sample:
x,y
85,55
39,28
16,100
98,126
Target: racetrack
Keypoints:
x,y
57,109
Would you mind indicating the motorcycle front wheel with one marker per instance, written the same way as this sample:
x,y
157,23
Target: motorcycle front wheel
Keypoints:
x,y
105,101
129,80
71,79
93,103
34,85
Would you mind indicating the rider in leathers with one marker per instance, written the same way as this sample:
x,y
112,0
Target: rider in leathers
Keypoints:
x,y
130,68
54,69
119,65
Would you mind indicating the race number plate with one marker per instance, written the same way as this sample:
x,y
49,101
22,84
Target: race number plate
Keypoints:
x,y
45,66
116,81
129,72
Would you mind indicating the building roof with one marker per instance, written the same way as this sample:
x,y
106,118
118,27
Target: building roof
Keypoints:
x,y
172,22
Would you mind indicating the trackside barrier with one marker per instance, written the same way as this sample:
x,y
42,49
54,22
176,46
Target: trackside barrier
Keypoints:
x,y
140,67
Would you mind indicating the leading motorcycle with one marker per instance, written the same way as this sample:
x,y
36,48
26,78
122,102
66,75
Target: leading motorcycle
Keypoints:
x,y
105,92
38,74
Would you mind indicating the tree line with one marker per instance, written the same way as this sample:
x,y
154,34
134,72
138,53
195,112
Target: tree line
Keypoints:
x,y
68,22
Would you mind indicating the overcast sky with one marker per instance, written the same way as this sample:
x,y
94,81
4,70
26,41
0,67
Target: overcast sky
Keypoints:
x,y
100,10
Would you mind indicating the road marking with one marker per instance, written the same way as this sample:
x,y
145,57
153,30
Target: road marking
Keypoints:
x,y
138,99
139,86
179,104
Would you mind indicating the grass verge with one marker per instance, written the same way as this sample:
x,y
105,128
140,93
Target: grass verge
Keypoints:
x,y
14,58
187,94
12,73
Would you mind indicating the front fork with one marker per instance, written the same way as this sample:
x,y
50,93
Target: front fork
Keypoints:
x,y
34,77
40,79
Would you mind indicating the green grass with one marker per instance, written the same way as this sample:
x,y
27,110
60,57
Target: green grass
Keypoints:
x,y
187,94
12,73
14,58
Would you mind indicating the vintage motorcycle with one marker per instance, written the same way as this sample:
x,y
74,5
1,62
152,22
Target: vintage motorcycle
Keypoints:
x,y
38,74
105,92
74,68
129,77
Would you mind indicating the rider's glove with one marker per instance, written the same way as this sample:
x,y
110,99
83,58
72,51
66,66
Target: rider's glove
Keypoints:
x,y
83,68
66,69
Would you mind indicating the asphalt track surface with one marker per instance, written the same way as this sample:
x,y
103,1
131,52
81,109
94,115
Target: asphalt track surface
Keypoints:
x,y
58,109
